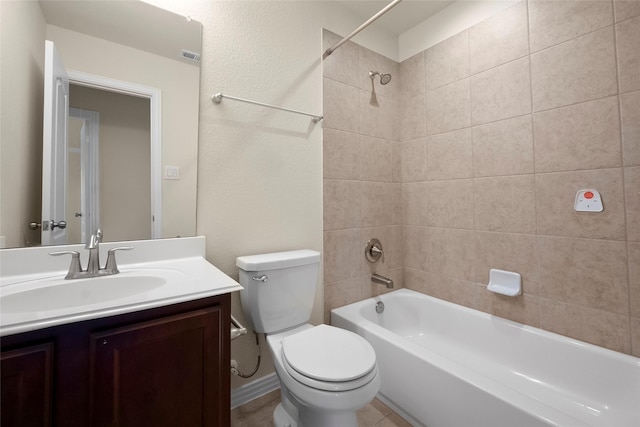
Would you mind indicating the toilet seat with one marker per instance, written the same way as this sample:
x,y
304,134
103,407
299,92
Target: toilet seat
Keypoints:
x,y
328,358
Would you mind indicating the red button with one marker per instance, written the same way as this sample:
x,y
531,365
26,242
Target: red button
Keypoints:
x,y
588,195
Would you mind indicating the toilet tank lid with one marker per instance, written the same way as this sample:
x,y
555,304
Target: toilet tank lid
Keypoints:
x,y
277,260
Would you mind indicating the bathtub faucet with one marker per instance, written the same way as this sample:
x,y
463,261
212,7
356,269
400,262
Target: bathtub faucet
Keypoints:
x,y
376,278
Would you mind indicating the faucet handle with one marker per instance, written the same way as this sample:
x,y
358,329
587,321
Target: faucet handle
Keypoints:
x,y
373,251
112,266
75,266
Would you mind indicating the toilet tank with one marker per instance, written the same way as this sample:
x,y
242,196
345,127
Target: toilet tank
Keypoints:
x,y
279,288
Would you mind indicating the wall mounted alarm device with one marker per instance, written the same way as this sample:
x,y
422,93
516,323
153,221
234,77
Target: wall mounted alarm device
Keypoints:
x,y
588,200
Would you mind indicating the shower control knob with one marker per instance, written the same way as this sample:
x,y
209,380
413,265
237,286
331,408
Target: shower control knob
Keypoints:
x,y
373,251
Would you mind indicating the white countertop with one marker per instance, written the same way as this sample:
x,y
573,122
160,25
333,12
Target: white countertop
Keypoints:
x,y
186,275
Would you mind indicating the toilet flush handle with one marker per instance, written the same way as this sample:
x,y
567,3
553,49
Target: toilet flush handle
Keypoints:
x,y
262,278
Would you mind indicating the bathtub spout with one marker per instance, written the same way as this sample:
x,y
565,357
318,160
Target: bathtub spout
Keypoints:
x,y
376,278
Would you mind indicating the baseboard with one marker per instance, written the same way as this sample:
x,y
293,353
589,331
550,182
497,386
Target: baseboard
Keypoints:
x,y
247,392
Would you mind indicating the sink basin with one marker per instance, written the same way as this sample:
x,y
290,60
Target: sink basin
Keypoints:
x,y
160,272
80,292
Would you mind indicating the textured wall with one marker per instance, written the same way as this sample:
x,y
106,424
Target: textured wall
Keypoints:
x,y
260,170
501,124
21,117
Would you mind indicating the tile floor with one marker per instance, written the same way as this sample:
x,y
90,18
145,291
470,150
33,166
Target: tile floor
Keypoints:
x,y
258,413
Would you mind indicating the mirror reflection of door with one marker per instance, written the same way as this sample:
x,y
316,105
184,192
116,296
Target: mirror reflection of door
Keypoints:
x,y
54,147
83,168
123,162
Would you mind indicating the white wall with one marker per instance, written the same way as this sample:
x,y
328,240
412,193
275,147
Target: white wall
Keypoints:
x,y
260,170
21,85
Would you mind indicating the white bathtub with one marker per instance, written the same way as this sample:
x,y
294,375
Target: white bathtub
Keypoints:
x,y
442,364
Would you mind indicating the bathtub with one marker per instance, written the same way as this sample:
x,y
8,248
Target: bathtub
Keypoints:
x,y
442,364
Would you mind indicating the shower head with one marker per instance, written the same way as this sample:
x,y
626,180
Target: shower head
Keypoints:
x,y
384,78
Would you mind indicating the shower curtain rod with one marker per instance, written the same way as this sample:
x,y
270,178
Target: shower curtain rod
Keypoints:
x,y
360,28
217,99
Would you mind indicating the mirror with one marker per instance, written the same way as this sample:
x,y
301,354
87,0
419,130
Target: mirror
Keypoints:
x,y
134,44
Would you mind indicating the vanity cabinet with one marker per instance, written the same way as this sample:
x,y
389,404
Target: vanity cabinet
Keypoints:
x,y
167,366
26,380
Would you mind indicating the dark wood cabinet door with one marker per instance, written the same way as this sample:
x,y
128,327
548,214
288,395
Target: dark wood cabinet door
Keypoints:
x,y
26,385
164,372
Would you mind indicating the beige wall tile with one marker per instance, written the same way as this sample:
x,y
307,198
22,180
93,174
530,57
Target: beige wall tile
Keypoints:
x,y
594,326
585,272
632,199
415,203
412,76
580,136
449,107
343,255
628,43
414,118
341,204
523,308
342,64
448,203
503,148
505,204
414,160
633,249
341,152
506,251
630,112
635,337
396,161
578,70
378,116
626,9
552,22
449,155
448,61
457,291
341,106
449,251
501,92
374,159
414,248
415,280
555,198
395,199
372,61
375,208
499,39
342,293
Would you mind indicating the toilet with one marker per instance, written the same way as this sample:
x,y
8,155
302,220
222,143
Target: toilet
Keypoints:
x,y
326,374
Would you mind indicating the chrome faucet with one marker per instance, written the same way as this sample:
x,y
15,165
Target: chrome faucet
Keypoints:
x,y
93,265
93,245
377,278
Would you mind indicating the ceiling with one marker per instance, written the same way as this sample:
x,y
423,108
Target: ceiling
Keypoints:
x,y
405,15
131,23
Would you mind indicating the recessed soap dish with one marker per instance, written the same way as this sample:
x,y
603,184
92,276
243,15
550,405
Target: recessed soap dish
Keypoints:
x,y
505,282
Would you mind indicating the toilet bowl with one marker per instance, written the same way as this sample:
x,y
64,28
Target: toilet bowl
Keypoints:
x,y
326,374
